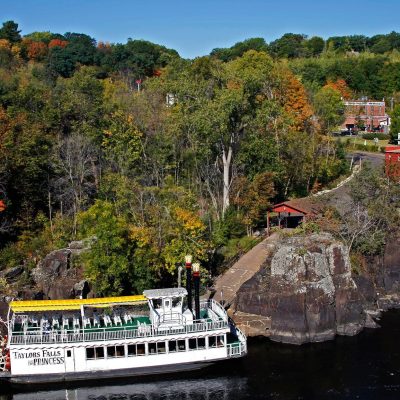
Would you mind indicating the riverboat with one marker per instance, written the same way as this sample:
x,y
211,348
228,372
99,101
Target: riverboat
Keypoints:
x,y
83,339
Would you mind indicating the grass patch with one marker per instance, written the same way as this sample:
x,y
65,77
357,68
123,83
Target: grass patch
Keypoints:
x,y
359,143
238,246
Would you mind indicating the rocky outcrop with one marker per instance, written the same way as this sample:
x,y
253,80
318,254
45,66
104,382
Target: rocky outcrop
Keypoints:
x,y
57,278
306,288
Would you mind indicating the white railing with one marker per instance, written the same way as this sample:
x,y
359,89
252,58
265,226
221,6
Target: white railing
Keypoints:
x,y
216,307
239,348
116,333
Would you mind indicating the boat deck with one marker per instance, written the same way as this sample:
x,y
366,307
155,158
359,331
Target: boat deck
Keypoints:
x,y
41,328
134,324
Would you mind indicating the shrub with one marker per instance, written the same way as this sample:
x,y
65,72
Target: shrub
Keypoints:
x,y
373,135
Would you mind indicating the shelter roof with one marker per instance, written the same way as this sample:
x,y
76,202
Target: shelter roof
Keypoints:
x,y
73,304
392,149
304,205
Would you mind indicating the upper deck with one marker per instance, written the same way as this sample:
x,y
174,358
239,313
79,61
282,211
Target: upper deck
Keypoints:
x,y
81,321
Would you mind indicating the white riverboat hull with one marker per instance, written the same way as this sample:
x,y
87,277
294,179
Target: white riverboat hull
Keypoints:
x,y
62,341
103,374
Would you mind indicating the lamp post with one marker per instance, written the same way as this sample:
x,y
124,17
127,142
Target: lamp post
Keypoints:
x,y
196,281
180,268
188,265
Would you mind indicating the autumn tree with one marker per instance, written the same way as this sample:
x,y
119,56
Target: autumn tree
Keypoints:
x,y
341,86
57,43
36,50
253,198
295,101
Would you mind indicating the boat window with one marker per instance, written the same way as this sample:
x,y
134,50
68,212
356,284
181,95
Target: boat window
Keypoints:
x,y
141,349
172,347
157,303
132,350
157,348
90,353
161,348
176,301
220,341
201,343
197,343
99,352
212,341
182,345
111,352
115,351
192,344
120,351
69,353
152,348
167,303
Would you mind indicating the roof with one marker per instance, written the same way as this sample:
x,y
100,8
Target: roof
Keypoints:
x,y
72,304
392,149
304,205
168,292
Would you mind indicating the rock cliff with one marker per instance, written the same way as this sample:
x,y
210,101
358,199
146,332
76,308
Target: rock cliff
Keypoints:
x,y
54,277
307,290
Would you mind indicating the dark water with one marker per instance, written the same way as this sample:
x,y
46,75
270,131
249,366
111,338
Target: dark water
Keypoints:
x,y
366,366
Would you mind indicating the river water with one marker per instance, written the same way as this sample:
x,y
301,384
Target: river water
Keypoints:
x,y
366,366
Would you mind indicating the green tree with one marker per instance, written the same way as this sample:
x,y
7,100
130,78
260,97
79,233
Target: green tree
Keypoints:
x,y
121,142
10,32
315,45
108,264
395,124
239,48
290,45
329,107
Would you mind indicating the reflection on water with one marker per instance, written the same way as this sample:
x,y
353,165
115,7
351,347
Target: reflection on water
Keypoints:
x,y
207,389
366,366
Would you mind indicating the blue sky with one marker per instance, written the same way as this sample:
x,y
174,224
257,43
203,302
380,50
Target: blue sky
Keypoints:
x,y
194,28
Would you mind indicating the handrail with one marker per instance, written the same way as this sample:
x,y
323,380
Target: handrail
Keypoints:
x,y
117,333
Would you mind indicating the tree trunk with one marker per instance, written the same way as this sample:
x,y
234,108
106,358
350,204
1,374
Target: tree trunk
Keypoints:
x,y
226,160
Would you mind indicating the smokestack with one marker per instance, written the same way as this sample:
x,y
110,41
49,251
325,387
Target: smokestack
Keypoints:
x,y
188,264
196,281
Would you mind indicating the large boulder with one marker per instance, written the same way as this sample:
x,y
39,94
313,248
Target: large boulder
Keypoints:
x,y
57,278
307,290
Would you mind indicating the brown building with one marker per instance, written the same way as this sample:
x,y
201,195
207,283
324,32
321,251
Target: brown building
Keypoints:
x,y
369,114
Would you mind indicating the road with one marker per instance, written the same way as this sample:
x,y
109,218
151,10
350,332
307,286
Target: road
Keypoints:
x,y
340,198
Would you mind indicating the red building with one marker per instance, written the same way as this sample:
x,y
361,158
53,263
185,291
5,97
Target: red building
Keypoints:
x,y
291,213
392,161
370,114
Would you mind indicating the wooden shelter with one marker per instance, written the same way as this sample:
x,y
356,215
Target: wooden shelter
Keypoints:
x,y
292,213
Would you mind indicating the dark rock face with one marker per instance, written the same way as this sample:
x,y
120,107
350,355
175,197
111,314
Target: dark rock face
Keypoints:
x,y
307,290
13,273
55,277
391,266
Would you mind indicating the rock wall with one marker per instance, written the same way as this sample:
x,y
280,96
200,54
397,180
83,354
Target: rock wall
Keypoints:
x,y
57,278
307,289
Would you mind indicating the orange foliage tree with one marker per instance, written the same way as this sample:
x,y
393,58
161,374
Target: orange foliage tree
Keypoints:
x,y
341,86
295,101
57,43
37,50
